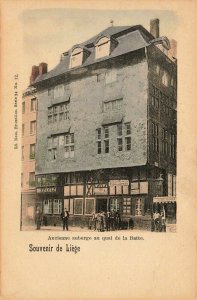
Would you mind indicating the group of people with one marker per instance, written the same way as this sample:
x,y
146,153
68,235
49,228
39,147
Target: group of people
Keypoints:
x,y
39,218
159,221
105,221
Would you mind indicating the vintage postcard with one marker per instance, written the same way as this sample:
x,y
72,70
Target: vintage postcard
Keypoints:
x,y
98,158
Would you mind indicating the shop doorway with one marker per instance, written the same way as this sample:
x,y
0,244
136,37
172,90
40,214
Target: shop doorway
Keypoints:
x,y
101,205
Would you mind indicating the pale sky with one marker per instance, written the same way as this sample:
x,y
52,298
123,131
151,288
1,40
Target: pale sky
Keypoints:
x,y
49,32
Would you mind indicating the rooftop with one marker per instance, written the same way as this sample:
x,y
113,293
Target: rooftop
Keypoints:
x,y
129,38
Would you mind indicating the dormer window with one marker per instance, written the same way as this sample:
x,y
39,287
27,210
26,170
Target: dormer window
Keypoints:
x,y
78,56
104,46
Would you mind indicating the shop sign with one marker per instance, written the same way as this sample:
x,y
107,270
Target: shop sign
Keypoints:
x,y
47,190
122,182
100,185
164,199
100,191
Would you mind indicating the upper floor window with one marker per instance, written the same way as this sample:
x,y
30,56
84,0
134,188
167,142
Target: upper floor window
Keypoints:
x,y
59,112
59,91
32,181
32,151
155,137
69,145
76,58
32,127
112,105
102,47
78,55
111,76
164,142
33,104
165,78
23,107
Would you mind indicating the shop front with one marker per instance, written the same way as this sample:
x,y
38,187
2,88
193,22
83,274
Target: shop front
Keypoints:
x,y
51,199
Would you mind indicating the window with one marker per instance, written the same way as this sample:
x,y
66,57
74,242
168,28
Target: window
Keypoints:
x,y
112,105
128,143
102,47
116,204
78,206
170,182
127,136
154,96
23,129
164,142
120,144
106,146
99,133
106,132
32,179
172,145
157,69
32,151
111,76
32,127
59,112
155,138
127,206
52,147
57,206
164,79
128,128
59,91
69,146
139,207
33,104
99,147
48,205
76,58
23,107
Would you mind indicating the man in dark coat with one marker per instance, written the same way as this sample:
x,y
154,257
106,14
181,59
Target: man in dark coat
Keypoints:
x,y
38,218
65,216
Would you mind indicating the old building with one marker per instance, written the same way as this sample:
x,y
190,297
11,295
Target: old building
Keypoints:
x,y
29,114
106,127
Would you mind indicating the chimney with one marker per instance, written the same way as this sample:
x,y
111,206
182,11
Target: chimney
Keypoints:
x,y
173,50
154,27
34,74
42,68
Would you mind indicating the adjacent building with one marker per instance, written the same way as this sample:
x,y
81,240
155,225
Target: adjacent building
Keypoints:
x,y
106,127
29,199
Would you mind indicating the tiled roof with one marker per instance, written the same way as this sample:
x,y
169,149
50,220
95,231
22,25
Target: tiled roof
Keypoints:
x,y
129,39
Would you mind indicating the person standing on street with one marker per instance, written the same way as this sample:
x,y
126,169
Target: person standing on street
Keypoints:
x,y
65,216
38,218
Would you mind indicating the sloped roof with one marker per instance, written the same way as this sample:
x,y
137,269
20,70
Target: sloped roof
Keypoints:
x,y
129,39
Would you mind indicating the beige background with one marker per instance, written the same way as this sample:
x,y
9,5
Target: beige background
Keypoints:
x,y
163,266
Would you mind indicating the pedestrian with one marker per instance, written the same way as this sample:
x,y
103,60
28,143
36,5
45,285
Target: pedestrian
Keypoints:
x,y
38,218
118,220
112,220
157,220
163,221
65,216
108,218
94,220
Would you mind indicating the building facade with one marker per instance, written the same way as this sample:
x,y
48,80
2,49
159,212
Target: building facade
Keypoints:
x,y
29,199
106,127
